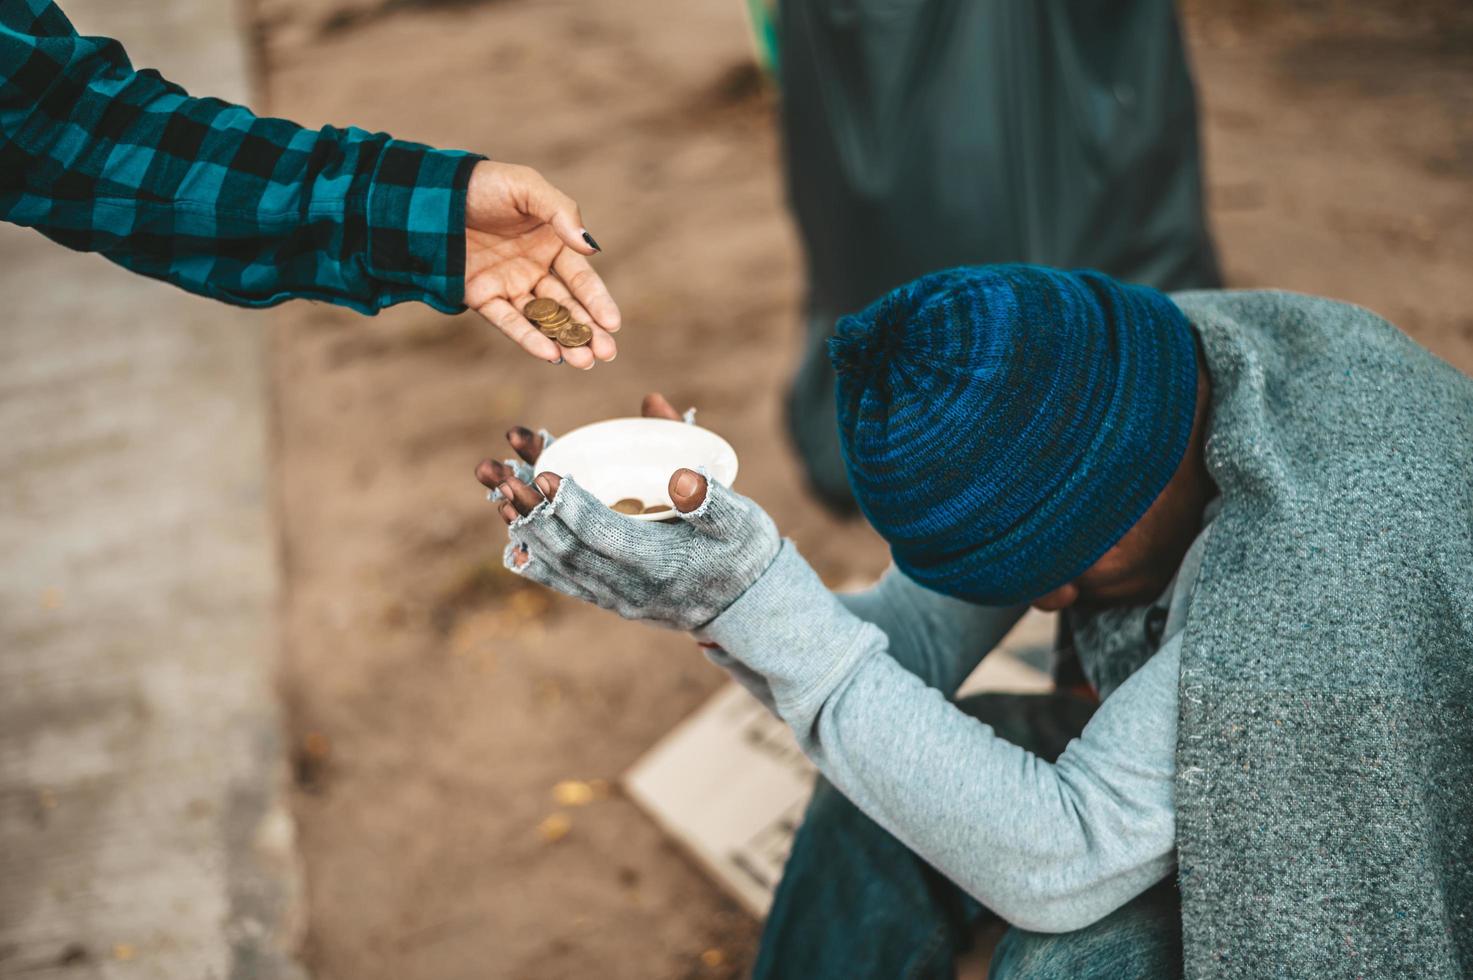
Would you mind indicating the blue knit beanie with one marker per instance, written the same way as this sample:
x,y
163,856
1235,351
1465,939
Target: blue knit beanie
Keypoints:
x,y
1003,426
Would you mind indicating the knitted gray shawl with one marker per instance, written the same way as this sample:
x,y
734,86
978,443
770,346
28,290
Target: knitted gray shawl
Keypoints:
x,y
1324,786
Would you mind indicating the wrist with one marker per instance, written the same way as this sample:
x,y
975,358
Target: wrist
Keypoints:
x,y
416,222
790,629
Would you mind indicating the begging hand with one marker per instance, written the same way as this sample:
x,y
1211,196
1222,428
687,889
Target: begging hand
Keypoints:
x,y
681,573
524,238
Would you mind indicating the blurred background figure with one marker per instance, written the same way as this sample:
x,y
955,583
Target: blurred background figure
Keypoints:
x,y
920,136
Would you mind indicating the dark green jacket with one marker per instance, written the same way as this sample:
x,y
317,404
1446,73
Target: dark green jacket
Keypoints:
x,y
926,134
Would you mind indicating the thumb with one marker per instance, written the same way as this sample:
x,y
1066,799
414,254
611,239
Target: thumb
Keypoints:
x,y
688,490
561,212
711,508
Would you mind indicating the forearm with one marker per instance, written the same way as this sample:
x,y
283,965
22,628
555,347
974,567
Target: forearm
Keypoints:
x,y
939,639
748,678
1048,847
210,197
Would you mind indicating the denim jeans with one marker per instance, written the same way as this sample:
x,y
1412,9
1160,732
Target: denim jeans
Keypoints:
x,y
854,902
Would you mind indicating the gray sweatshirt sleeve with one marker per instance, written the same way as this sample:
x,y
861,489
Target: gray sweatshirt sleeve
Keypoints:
x,y
939,639
1049,848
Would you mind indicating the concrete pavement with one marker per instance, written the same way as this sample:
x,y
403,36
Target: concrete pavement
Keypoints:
x,y
142,826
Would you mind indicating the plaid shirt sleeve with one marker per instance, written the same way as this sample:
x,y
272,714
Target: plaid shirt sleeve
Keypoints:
x,y
210,197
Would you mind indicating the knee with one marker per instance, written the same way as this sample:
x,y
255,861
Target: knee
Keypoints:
x,y
1141,940
829,812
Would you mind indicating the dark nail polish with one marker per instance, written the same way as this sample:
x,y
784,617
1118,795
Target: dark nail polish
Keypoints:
x,y
591,243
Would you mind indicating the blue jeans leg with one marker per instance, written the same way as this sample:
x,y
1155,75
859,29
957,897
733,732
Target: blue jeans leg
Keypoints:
x,y
854,902
1141,940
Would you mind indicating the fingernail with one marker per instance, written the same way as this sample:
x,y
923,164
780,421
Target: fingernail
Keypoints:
x,y
519,431
505,489
591,243
556,362
687,483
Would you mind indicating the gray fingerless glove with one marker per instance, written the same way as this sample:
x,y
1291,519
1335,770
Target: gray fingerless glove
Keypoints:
x,y
681,574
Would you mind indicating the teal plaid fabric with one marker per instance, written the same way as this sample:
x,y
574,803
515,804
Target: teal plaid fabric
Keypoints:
x,y
207,195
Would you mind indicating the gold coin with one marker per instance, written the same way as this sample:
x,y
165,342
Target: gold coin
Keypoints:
x,y
656,509
629,505
575,334
558,320
550,330
541,308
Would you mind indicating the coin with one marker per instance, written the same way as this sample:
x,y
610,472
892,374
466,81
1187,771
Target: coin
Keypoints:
x,y
575,334
559,318
656,509
541,308
629,505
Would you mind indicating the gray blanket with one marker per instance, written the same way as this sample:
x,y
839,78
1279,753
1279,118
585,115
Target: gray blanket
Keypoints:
x,y
1325,754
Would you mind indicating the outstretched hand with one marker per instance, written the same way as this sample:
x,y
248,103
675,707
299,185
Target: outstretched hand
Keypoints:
x,y
515,484
525,238
681,573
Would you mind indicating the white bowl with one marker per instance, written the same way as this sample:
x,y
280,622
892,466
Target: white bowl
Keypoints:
x,y
621,458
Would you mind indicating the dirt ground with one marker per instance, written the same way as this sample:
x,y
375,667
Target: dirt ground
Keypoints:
x,y
434,703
